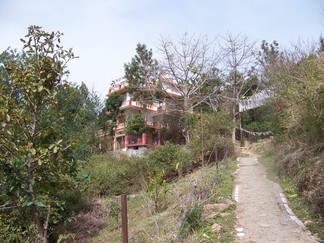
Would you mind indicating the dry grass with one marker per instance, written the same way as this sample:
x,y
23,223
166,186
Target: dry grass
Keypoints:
x,y
88,223
146,225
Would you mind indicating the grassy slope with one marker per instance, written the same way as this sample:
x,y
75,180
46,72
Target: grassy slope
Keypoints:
x,y
147,226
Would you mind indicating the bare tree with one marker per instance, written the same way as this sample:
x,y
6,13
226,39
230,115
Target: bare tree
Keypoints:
x,y
189,65
238,59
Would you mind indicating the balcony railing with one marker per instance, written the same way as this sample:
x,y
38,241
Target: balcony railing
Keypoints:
x,y
120,126
118,84
133,141
136,104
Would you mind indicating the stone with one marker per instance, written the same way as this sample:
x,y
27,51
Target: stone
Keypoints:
x,y
212,210
224,215
216,228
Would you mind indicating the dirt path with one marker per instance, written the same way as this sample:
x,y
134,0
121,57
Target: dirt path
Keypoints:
x,y
263,214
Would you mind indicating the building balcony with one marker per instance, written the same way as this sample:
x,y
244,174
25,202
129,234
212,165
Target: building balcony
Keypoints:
x,y
144,140
118,85
120,126
153,124
135,104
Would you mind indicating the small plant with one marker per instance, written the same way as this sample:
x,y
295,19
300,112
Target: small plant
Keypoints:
x,y
157,191
65,238
192,221
114,210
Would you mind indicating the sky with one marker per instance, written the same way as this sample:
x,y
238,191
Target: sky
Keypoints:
x,y
104,33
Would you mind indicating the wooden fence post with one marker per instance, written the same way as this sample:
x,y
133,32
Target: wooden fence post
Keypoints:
x,y
123,199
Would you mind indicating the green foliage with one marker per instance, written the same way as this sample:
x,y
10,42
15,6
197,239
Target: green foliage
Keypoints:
x,y
170,158
113,103
211,137
33,169
303,99
298,78
12,231
171,125
141,72
157,190
261,119
136,125
78,109
108,116
114,209
268,55
193,220
114,176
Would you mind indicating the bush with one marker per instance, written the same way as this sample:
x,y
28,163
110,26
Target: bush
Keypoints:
x,y
212,137
114,176
192,220
171,158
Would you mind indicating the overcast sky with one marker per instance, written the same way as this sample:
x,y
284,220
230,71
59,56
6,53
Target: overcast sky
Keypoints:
x,y
104,33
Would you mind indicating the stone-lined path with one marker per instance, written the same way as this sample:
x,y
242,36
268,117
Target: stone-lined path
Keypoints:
x,y
263,212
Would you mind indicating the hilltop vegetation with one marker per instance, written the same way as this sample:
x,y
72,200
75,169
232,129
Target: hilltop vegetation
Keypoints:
x,y
49,132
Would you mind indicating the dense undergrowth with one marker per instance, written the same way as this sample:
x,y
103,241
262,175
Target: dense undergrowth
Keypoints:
x,y
170,186
179,219
113,176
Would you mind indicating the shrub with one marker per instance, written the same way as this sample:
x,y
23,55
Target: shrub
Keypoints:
x,y
171,158
192,220
114,176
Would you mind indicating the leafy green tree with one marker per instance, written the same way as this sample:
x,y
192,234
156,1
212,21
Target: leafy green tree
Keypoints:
x,y
267,59
109,114
142,74
298,80
79,110
136,125
302,98
33,169
211,140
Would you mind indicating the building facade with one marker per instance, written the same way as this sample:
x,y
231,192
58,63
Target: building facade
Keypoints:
x,y
151,111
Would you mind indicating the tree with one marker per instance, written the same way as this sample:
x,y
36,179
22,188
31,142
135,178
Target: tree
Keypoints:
x,y
238,53
110,113
142,73
79,109
136,125
33,169
212,136
189,64
298,79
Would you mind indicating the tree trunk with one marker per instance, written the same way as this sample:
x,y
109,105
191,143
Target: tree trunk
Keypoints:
x,y
234,124
186,113
234,132
42,229
235,96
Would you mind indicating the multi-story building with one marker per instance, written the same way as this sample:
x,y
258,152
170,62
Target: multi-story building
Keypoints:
x,y
151,111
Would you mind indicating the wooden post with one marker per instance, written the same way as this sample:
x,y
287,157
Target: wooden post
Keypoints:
x,y
123,199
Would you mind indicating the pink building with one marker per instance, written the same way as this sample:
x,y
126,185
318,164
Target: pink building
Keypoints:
x,y
152,111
